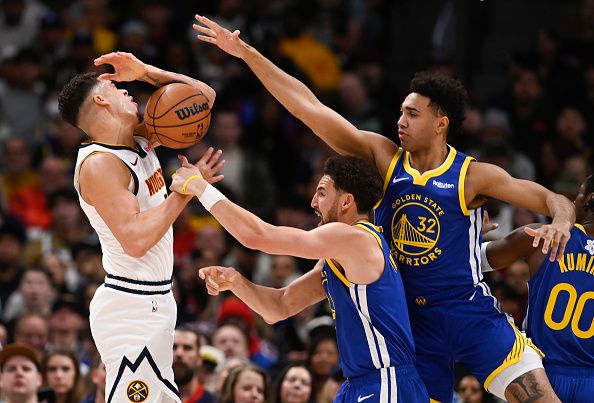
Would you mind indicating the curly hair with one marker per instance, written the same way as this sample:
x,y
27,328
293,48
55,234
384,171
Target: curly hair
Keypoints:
x,y
73,94
446,94
358,177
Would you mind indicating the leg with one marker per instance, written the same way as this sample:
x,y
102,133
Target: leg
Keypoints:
x,y
533,386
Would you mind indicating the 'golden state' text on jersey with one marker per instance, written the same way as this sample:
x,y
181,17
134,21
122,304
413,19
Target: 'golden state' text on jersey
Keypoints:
x,y
560,318
434,238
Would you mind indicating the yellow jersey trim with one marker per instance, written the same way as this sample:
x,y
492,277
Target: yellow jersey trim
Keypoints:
x,y
377,238
336,271
421,179
514,356
461,181
393,163
433,401
581,228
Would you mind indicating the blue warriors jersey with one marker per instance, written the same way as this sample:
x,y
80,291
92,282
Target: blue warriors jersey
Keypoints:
x,y
561,305
372,325
434,238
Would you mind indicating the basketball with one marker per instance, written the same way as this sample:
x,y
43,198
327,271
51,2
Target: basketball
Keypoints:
x,y
178,115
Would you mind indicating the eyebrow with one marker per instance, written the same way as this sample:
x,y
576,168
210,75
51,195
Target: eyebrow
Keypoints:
x,y
409,108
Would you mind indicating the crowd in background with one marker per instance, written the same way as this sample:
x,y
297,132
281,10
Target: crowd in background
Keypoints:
x,y
537,127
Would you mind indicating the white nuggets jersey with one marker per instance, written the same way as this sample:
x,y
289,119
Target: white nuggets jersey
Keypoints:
x,y
148,185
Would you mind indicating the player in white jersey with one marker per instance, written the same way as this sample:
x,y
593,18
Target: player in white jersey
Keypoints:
x,y
122,191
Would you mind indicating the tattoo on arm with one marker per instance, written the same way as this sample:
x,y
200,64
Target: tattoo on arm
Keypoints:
x,y
158,83
525,388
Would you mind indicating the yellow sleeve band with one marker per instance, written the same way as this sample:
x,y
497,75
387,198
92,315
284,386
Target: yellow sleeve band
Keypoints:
x,y
187,182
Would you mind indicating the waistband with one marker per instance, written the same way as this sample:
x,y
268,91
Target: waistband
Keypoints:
x,y
139,287
402,372
569,370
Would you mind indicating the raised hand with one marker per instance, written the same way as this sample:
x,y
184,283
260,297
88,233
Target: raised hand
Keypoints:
x,y
206,168
127,66
554,237
218,279
226,40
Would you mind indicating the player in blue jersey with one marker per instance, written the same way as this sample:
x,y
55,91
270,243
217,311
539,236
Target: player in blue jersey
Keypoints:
x,y
355,272
560,317
432,216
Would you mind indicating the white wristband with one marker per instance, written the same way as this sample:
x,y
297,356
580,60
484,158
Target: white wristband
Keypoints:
x,y
210,197
485,266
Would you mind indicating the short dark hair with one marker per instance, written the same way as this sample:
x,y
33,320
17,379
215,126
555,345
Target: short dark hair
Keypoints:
x,y
358,177
445,93
73,95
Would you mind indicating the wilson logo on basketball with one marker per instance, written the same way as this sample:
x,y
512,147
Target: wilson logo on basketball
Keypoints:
x,y
194,109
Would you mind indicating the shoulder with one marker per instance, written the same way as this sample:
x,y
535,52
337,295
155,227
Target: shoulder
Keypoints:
x,y
102,165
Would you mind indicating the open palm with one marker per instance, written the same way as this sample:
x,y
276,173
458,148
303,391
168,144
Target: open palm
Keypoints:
x,y
212,32
127,66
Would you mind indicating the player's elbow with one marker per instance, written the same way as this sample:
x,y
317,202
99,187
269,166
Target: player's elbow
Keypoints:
x,y
135,249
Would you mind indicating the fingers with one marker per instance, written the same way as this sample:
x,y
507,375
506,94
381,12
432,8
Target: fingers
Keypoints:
x,y
562,243
204,30
530,231
548,239
206,156
107,76
208,39
215,179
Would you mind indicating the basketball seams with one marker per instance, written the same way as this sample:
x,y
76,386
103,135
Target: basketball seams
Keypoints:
x,y
185,133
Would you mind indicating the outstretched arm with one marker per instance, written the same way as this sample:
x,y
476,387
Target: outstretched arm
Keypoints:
x,y
332,128
270,303
517,245
129,68
335,240
486,180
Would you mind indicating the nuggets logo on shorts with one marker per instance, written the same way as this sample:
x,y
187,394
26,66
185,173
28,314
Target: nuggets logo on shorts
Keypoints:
x,y
415,230
137,391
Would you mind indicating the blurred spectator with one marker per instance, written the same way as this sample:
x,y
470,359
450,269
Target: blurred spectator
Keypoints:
x,y
469,390
19,23
20,375
12,242
322,361
187,363
231,340
21,187
35,294
243,170
21,96
223,372
91,16
98,379
316,60
60,368
355,104
32,328
67,323
245,383
294,384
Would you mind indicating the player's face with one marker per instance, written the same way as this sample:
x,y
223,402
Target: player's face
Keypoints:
x,y
118,99
417,125
581,202
325,201
20,378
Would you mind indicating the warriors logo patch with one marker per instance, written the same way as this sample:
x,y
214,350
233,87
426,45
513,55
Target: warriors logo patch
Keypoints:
x,y
415,230
137,391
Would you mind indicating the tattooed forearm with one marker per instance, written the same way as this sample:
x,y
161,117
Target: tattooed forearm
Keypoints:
x,y
525,389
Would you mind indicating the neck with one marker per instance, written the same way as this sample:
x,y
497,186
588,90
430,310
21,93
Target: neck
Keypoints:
x,y
428,158
186,390
588,224
106,128
100,396
352,219
22,399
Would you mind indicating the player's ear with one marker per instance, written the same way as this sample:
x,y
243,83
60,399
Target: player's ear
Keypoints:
x,y
99,100
348,200
442,124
